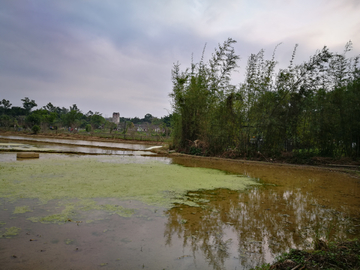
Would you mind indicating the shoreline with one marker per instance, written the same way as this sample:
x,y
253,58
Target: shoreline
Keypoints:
x,y
74,136
353,169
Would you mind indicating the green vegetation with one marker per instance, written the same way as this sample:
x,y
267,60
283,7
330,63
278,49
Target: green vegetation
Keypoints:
x,y
10,232
305,110
35,129
339,255
52,119
85,178
80,181
22,209
72,211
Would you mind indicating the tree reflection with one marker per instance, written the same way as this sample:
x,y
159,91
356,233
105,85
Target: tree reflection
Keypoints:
x,y
252,226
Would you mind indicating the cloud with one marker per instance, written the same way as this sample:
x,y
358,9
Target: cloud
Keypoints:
x,y
117,55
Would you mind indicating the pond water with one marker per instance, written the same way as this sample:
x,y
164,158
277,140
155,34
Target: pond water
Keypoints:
x,y
26,144
136,212
127,146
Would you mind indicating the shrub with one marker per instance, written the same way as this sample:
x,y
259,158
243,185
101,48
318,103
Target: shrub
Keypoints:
x,y
35,129
88,128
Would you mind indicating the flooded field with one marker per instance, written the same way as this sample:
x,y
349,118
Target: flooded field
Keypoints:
x,y
128,146
129,211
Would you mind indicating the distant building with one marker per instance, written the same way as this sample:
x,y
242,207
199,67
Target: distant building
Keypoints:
x,y
116,118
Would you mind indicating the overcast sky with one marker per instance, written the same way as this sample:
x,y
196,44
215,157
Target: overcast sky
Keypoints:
x,y
116,55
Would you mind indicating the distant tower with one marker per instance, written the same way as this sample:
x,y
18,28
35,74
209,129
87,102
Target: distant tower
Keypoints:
x,y
116,118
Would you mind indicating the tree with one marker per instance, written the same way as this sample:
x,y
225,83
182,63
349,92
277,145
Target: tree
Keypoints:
x,y
5,121
36,129
309,108
199,96
136,120
71,118
96,120
37,117
51,108
167,120
148,118
5,104
28,104
111,126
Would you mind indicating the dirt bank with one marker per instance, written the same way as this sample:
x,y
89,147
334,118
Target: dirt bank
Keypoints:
x,y
76,136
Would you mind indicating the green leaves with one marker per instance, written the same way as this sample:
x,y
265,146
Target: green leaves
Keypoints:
x,y
308,107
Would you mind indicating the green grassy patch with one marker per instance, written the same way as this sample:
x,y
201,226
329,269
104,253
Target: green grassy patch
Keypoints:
x,y
336,255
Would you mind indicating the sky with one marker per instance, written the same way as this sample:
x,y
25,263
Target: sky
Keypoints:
x,y
116,56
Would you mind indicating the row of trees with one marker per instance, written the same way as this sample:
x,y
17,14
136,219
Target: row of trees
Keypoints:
x,y
47,117
52,117
310,109
149,119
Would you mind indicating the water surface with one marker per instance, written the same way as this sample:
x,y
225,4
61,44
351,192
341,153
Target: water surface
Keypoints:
x,y
129,146
166,213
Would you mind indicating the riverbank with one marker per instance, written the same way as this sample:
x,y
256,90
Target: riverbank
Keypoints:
x,y
339,255
346,165
295,204
77,136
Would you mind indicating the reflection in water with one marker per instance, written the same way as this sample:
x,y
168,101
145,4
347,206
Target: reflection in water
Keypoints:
x,y
255,226
294,205
130,146
65,148
221,229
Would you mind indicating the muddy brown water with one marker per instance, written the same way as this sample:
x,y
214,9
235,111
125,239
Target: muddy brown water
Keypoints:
x,y
225,229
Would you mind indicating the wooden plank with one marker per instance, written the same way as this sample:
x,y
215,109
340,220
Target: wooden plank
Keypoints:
x,y
27,155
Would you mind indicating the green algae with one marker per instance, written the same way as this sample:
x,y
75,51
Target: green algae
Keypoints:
x,y
84,178
22,209
19,147
69,242
87,178
10,232
72,212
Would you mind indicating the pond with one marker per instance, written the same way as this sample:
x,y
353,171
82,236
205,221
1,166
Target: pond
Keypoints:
x,y
127,146
123,211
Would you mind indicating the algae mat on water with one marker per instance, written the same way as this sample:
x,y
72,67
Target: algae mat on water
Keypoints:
x,y
132,178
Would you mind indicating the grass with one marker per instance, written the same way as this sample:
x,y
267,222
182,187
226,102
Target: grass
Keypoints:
x,y
335,255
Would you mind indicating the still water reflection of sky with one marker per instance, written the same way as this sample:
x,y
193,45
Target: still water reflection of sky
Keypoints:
x,y
78,142
71,146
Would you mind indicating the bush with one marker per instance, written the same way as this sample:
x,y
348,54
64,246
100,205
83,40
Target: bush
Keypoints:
x,y
88,128
35,129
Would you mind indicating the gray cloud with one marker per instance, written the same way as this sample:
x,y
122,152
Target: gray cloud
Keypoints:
x,y
117,55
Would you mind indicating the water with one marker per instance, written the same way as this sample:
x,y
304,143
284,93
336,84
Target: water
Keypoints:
x,y
19,143
207,228
126,146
